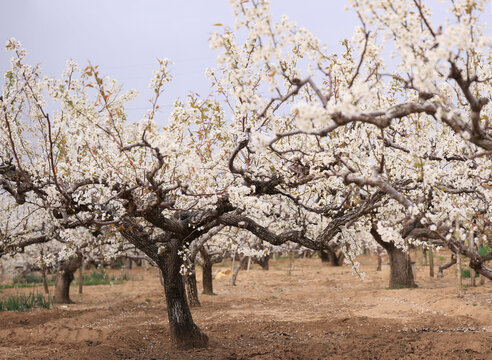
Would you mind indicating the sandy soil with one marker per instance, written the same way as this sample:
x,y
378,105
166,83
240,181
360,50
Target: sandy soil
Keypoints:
x,y
318,312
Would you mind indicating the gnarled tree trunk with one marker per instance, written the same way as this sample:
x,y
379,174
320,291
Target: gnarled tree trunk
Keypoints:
x,y
401,274
185,332
64,278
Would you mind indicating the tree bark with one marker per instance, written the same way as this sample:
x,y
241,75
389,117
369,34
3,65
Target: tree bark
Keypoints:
x,y
323,256
244,264
291,262
263,262
185,333
191,287
401,274
45,281
431,262
64,278
329,255
335,260
81,279
460,276
236,270
207,278
380,259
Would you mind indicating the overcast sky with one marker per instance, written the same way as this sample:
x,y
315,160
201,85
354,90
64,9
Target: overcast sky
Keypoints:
x,y
124,37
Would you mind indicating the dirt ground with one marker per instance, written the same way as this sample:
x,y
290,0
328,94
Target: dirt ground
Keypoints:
x,y
318,312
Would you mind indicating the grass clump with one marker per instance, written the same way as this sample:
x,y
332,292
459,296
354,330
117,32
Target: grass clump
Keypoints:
x,y
25,281
102,278
465,273
18,285
25,302
28,278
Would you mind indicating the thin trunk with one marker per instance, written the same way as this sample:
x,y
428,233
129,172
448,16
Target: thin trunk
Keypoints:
x,y
380,259
207,278
424,257
186,334
460,277
291,262
431,262
191,287
236,270
473,274
81,279
249,263
45,281
472,245
64,278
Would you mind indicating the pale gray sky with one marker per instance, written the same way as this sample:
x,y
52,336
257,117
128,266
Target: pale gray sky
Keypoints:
x,y
124,37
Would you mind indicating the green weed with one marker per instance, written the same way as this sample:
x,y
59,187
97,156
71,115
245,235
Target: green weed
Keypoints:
x,y
23,302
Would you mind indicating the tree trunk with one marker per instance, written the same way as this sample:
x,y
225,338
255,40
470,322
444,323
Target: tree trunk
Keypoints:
x,y
244,264
186,334
460,276
431,262
401,274
236,270
380,259
333,258
191,287
323,256
81,279
424,257
207,278
64,278
291,262
45,281
263,262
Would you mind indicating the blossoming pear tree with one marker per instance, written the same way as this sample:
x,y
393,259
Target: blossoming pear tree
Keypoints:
x,y
412,129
